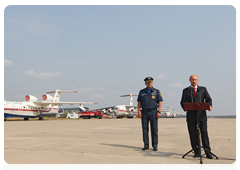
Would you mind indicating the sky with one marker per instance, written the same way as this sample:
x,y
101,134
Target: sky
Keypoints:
x,y
107,51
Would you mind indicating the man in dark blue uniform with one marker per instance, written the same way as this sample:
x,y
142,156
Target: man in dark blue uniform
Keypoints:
x,y
149,109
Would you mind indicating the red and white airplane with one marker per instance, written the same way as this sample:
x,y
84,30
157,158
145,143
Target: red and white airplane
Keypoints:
x,y
120,111
169,112
32,108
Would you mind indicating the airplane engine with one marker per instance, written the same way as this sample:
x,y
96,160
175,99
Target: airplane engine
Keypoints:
x,y
30,98
131,110
47,98
109,110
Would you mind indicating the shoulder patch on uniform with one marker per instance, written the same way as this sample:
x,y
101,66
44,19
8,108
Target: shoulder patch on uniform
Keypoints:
x,y
156,89
160,94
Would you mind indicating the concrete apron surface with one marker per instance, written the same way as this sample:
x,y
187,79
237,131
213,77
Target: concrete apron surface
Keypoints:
x,y
113,144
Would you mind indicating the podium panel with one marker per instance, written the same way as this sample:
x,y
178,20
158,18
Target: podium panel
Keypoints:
x,y
196,106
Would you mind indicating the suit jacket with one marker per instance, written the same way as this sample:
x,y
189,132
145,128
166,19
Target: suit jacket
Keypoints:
x,y
202,96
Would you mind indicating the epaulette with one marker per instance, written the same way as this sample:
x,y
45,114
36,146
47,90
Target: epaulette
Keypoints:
x,y
159,91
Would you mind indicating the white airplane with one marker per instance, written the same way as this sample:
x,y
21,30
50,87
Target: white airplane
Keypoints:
x,y
121,111
32,108
167,112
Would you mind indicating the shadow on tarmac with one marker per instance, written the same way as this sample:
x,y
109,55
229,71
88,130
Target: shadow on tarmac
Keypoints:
x,y
152,153
148,152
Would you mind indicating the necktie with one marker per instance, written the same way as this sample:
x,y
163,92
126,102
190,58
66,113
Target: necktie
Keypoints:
x,y
195,92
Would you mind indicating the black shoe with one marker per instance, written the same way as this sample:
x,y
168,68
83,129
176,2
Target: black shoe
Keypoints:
x,y
145,148
196,155
209,155
155,149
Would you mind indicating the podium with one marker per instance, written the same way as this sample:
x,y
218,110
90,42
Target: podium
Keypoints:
x,y
198,107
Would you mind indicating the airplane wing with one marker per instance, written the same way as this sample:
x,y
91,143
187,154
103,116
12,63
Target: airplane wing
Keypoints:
x,y
129,106
129,95
75,108
111,107
43,103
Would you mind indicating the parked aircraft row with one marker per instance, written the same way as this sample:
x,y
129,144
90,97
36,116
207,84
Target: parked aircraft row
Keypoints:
x,y
32,108
120,111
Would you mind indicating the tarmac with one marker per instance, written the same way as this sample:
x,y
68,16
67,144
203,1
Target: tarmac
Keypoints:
x,y
111,141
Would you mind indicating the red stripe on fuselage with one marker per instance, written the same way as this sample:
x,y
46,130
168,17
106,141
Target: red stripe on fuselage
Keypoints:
x,y
28,110
123,111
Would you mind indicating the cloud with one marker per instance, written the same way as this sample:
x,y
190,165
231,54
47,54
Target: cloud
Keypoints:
x,y
91,89
42,75
20,80
8,63
177,84
161,76
98,96
102,88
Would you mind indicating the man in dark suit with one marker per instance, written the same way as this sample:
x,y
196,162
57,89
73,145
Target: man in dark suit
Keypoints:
x,y
195,93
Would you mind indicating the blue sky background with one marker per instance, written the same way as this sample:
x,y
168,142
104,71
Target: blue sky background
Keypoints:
x,y
107,51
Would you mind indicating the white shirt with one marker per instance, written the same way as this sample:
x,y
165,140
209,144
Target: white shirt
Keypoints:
x,y
194,87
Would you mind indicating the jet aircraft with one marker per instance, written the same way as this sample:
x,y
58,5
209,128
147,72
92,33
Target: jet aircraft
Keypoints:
x,y
169,113
121,111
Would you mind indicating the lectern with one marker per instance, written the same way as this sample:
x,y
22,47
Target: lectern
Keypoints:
x,y
198,107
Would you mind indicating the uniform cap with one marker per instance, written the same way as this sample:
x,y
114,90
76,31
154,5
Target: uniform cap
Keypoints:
x,y
148,79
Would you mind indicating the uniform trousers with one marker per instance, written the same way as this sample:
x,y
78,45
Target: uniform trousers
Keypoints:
x,y
150,116
192,129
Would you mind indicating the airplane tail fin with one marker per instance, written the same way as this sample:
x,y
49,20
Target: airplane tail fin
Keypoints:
x,y
82,108
131,97
58,93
